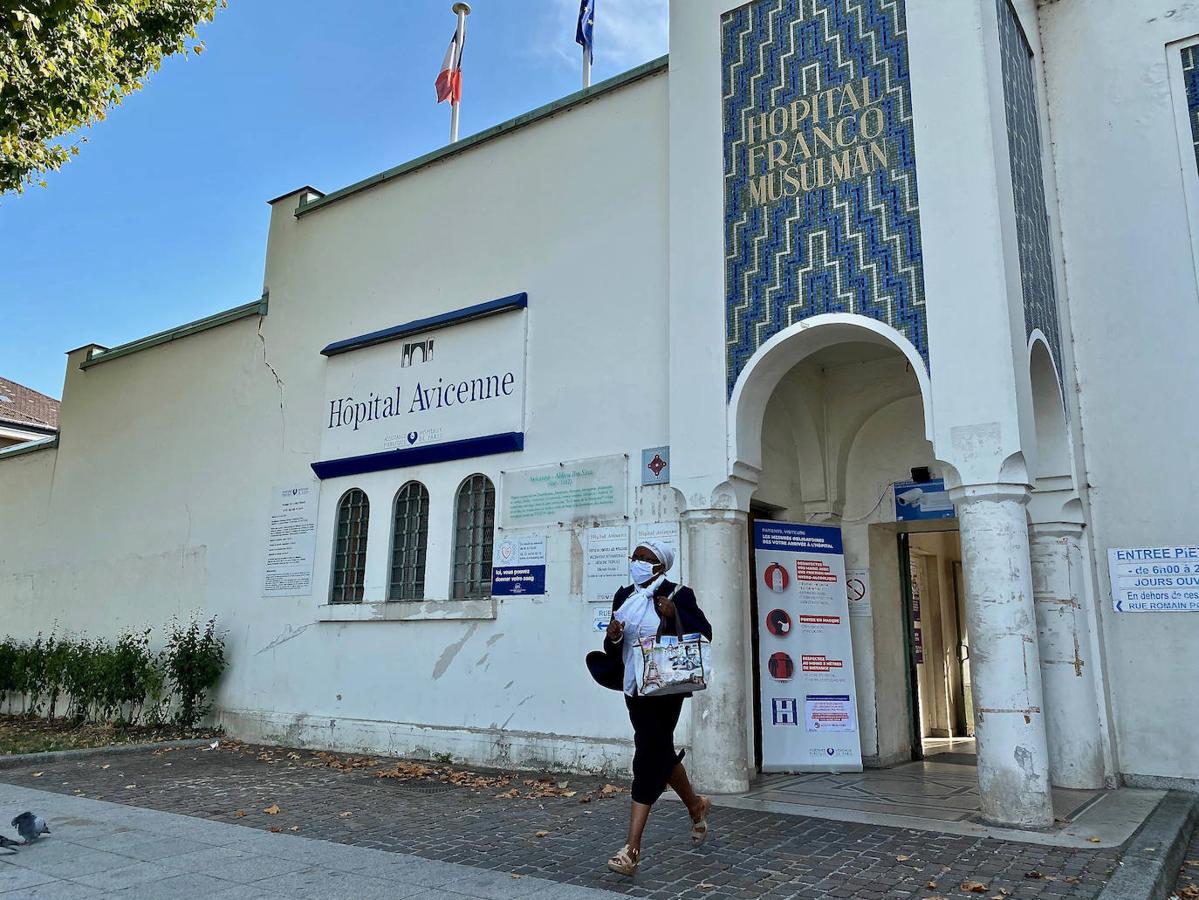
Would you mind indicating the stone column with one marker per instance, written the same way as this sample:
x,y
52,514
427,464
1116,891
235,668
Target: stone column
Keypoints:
x,y
1013,760
718,545
1071,709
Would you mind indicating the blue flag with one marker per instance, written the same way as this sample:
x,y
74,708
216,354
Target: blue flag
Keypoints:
x,y
583,34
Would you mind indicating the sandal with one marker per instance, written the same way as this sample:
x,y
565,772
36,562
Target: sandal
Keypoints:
x,y
625,862
699,827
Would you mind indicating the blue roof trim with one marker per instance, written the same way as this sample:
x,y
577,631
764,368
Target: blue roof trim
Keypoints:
x,y
490,445
458,316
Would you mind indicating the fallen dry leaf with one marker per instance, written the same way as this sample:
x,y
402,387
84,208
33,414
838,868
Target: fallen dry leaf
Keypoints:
x,y
1072,879
902,858
973,887
275,829
931,885
1035,876
344,815
584,799
241,814
609,789
1190,892
129,786
541,834
1095,840
272,810
38,774
515,875
106,765
704,886
294,828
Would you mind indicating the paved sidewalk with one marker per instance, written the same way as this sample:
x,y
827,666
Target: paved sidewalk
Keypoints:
x,y
99,849
513,827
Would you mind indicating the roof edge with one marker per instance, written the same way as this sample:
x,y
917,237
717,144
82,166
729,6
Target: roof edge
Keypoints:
x,y
253,308
29,447
653,67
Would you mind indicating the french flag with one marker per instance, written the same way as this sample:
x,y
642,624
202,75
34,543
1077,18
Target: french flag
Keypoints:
x,y
449,81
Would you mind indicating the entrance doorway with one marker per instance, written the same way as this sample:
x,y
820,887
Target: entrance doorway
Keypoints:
x,y
942,704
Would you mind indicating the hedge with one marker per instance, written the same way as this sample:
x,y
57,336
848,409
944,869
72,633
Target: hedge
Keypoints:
x,y
121,681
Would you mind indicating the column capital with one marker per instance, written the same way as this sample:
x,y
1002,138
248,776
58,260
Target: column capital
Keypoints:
x,y
1056,530
714,516
965,494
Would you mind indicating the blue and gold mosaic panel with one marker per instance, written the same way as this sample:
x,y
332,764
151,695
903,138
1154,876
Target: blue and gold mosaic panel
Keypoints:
x,y
1028,182
821,209
1190,78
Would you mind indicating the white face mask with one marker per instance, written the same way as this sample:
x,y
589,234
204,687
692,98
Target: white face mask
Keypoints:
x,y
641,572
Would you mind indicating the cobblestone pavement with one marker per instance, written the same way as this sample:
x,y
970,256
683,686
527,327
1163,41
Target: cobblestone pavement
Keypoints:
x,y
1187,886
750,854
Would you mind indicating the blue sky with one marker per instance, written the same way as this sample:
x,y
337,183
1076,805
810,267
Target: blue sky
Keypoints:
x,y
162,218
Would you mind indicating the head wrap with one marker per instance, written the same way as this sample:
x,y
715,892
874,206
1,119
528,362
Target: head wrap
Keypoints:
x,y
664,553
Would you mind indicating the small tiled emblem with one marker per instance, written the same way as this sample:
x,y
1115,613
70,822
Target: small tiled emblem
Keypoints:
x,y
655,465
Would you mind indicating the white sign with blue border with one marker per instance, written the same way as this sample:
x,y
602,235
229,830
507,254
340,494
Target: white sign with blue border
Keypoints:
x,y
518,566
1154,579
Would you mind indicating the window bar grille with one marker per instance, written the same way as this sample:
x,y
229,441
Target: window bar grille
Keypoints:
x,y
349,559
410,535
474,536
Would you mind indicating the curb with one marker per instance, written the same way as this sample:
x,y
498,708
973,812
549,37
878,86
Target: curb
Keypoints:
x,y
1154,855
32,759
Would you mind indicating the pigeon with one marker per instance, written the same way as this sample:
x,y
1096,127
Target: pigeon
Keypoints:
x,y
30,827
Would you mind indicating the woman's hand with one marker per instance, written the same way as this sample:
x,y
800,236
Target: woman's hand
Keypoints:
x,y
665,607
615,630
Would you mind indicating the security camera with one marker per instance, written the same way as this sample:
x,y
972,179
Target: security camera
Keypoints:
x,y
910,497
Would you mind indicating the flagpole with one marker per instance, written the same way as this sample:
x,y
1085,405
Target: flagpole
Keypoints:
x,y
586,68
462,10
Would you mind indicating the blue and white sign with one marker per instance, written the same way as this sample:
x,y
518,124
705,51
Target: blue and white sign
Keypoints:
x,y
805,650
785,710
1154,579
917,501
518,566
452,392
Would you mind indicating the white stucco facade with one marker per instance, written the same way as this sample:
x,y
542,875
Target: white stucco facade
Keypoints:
x,y
1076,427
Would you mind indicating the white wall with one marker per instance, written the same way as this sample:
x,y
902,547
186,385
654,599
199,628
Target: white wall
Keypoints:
x,y
1132,294
157,500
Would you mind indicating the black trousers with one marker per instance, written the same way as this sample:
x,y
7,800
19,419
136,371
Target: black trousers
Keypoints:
x,y
654,756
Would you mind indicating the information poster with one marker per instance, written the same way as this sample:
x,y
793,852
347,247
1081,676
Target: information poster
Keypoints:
x,y
566,492
1154,579
291,542
518,566
665,533
605,563
809,715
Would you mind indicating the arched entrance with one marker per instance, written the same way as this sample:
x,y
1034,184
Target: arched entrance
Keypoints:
x,y
826,419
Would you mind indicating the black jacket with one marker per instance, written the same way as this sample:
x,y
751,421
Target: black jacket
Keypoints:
x,y
607,666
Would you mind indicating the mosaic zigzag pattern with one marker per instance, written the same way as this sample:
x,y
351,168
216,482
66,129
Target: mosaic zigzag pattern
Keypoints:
x,y
1190,77
851,246
1028,183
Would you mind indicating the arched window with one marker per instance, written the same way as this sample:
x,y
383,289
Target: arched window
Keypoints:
x,y
349,548
474,528
409,541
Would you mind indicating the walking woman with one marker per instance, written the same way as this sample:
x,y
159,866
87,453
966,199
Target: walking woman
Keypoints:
x,y
645,608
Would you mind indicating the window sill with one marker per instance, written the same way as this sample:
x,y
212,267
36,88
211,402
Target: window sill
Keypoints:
x,y
408,611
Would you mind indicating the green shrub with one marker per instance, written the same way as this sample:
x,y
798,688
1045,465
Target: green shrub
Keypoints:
x,y
121,681
195,661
